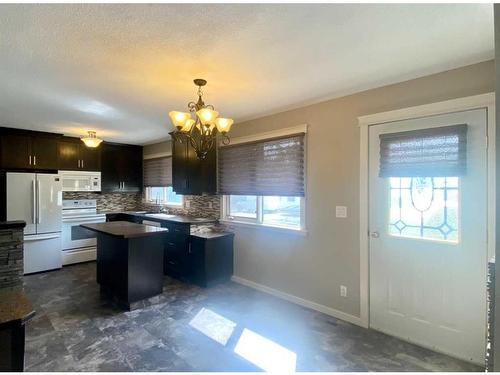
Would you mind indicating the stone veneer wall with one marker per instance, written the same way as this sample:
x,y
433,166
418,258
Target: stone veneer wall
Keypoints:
x,y
11,258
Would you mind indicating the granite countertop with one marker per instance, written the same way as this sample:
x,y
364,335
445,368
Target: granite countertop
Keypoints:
x,y
12,224
211,234
15,307
125,229
181,219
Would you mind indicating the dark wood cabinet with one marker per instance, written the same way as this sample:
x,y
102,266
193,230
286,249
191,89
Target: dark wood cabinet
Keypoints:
x,y
68,155
16,151
22,149
191,175
44,151
121,169
211,258
74,155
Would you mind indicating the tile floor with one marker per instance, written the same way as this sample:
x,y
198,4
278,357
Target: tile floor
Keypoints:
x,y
224,328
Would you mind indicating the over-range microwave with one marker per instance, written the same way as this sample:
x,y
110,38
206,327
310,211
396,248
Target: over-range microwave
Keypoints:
x,y
80,181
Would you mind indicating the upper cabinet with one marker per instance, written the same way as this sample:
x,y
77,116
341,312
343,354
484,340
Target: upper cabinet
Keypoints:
x,y
74,155
190,175
121,169
28,150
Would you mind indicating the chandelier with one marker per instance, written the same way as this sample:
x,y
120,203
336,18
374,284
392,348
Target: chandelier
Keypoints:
x,y
200,131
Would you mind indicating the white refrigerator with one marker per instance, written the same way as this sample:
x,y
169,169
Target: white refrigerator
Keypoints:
x,y
36,198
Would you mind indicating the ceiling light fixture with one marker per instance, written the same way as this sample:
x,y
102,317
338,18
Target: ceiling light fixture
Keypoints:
x,y
201,131
91,140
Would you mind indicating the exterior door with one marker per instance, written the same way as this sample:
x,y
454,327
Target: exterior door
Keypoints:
x,y
21,199
428,246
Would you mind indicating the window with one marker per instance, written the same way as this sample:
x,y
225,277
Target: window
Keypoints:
x,y
263,180
424,208
163,195
272,211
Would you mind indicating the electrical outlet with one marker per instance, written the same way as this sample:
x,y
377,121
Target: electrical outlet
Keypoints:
x,y
341,211
343,291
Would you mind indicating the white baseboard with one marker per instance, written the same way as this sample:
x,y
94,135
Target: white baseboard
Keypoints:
x,y
300,301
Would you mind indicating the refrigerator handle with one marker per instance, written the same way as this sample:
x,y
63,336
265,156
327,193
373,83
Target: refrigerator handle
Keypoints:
x,y
34,201
39,219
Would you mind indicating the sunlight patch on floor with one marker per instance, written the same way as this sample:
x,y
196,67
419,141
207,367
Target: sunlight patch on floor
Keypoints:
x,y
265,353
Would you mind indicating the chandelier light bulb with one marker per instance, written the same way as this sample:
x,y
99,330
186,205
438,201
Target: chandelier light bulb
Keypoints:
x,y
224,124
207,116
179,118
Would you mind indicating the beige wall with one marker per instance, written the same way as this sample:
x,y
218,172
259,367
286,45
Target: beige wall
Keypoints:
x,y
313,267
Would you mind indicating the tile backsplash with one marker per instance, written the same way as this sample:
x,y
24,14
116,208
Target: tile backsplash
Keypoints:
x,y
109,201
194,205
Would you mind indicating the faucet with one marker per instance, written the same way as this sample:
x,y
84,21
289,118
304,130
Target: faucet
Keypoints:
x,y
164,210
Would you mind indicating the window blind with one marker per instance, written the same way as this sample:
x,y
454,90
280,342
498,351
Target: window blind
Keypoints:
x,y
268,167
158,172
432,152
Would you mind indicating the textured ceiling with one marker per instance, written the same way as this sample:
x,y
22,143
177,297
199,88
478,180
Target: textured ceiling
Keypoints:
x,y
119,69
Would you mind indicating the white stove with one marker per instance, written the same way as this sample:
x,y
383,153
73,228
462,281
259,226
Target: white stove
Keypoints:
x,y
79,244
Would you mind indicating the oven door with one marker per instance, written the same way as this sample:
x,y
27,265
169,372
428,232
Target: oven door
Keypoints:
x,y
74,236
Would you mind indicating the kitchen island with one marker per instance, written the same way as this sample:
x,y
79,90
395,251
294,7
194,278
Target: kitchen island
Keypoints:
x,y
129,260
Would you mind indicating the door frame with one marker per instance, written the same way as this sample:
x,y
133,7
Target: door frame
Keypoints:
x,y
486,101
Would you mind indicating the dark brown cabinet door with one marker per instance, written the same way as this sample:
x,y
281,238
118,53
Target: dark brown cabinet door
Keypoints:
x,y
45,152
121,169
131,168
90,158
191,175
179,172
110,179
68,155
16,151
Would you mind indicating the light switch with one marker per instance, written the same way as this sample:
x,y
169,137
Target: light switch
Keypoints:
x,y
341,211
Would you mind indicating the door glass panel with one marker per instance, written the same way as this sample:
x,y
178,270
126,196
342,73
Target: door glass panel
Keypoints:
x,y
424,208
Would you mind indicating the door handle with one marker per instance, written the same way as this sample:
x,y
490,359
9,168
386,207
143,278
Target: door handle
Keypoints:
x,y
39,219
33,189
375,234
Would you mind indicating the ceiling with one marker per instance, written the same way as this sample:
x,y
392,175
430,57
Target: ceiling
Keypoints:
x,y
120,68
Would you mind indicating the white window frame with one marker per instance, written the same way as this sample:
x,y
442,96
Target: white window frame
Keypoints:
x,y
258,222
163,202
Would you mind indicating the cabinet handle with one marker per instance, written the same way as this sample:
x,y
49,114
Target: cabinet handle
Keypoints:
x,y
30,159
189,248
123,185
171,244
34,160
82,163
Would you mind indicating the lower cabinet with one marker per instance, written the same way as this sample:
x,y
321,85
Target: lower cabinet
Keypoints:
x,y
204,259
211,258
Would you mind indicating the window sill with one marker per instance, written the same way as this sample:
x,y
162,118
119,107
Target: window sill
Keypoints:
x,y
299,232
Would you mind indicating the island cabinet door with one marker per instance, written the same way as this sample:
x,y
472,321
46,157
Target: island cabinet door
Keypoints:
x,y
177,256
